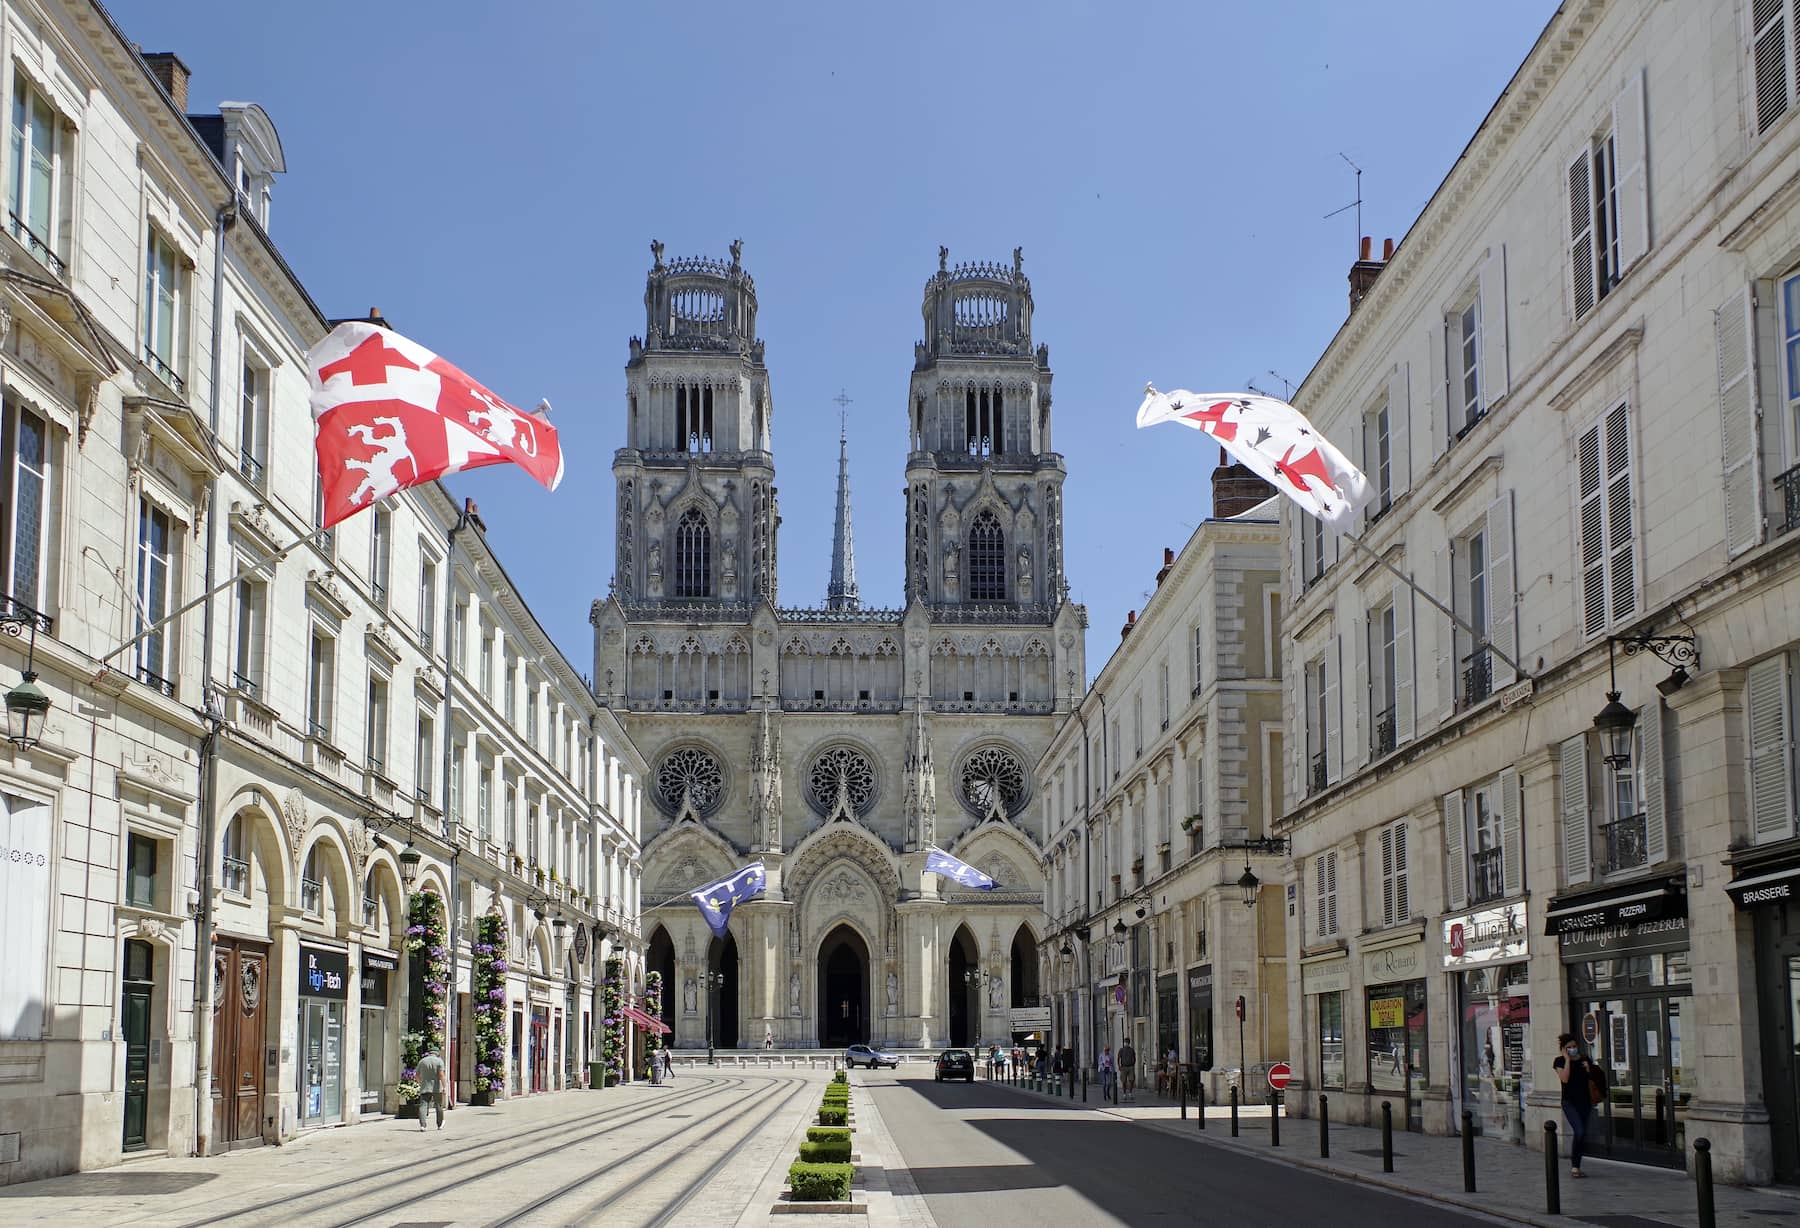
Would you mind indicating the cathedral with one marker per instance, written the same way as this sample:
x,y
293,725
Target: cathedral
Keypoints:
x,y
836,742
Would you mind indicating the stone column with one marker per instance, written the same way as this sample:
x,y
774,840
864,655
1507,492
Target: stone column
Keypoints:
x,y
1549,985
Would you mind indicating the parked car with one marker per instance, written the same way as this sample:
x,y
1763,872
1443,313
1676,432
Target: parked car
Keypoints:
x,y
956,1064
862,1055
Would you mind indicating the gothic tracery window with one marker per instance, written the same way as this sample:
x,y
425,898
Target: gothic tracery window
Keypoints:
x,y
987,558
691,773
992,777
845,771
693,555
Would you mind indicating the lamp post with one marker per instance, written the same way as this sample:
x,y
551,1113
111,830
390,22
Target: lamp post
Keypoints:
x,y
714,981
26,702
409,867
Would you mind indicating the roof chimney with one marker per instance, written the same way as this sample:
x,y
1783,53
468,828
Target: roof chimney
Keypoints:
x,y
1236,488
1168,566
1365,270
171,74
1130,622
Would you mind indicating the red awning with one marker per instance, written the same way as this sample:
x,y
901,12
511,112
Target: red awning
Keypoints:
x,y
649,1023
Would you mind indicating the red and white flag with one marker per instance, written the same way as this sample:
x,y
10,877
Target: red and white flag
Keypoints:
x,y
1274,440
390,414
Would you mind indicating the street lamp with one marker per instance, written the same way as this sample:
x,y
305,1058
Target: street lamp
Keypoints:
x,y
409,866
713,981
26,704
1249,885
1615,722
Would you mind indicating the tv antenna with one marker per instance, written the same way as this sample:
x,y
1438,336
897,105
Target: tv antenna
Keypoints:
x,y
1355,204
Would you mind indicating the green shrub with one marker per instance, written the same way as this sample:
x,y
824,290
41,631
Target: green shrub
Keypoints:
x,y
819,1182
825,1153
840,1077
836,1102
840,1090
827,1134
829,1116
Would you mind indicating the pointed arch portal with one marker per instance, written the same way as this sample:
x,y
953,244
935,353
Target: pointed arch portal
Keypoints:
x,y
843,989
722,958
964,990
661,958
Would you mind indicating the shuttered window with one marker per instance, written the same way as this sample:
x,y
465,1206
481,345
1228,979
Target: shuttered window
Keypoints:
x,y
1734,346
1573,809
1609,582
1768,699
1395,907
1325,867
1608,201
1772,57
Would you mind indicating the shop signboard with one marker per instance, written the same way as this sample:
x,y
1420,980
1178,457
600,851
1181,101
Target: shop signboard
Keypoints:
x,y
1630,905
1400,963
1030,1018
1667,934
1490,936
324,973
1331,976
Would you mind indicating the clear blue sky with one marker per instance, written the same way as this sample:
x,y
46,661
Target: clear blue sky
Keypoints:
x,y
491,175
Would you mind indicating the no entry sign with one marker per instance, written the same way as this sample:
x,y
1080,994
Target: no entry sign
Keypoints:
x,y
1280,1074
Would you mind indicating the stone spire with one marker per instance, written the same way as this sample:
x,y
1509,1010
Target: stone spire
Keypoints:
x,y
919,800
765,783
841,593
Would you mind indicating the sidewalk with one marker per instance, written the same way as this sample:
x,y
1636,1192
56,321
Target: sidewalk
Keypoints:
x,y
1509,1179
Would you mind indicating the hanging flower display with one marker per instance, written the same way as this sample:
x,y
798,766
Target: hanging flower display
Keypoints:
x,y
653,1041
612,1000
488,976
429,968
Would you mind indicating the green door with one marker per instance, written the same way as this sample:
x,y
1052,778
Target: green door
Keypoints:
x,y
134,1021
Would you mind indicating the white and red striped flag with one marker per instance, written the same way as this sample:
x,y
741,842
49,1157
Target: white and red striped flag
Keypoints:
x,y
390,414
1274,440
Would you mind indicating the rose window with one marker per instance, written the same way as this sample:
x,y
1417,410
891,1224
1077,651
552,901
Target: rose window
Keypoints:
x,y
841,772
693,774
992,778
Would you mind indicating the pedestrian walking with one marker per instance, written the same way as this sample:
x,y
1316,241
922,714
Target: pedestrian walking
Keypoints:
x,y
1107,1076
768,1038
431,1086
1127,1069
1583,1086
668,1065
993,1061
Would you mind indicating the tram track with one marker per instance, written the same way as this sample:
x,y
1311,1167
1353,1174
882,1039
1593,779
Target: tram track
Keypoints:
x,y
441,1163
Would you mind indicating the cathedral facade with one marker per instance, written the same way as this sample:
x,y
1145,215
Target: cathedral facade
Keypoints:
x,y
837,743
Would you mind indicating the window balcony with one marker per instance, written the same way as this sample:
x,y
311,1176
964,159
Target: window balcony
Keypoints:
x,y
235,875
151,678
37,245
371,912
1316,774
165,372
252,470
1624,843
312,896
1381,733
1487,876
1477,677
245,685
378,591
1789,485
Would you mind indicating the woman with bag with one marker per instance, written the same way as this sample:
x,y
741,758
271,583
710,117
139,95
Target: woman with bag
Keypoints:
x,y
1583,1086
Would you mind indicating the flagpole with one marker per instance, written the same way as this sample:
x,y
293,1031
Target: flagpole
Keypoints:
x,y
1480,637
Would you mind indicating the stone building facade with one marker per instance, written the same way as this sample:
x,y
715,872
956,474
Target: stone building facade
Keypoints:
x,y
206,903
1571,388
1160,790
837,743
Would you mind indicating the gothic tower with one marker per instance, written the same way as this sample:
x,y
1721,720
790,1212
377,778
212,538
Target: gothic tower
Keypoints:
x,y
984,506
696,494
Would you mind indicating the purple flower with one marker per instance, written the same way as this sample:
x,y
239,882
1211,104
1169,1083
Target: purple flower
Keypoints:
x,y
497,994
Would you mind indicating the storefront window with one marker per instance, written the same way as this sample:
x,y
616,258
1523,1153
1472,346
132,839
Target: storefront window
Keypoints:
x,y
1495,1007
1331,1040
324,976
1397,1039
1200,1017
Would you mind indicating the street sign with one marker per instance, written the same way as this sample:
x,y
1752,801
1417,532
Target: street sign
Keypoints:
x,y
1280,1074
1030,1018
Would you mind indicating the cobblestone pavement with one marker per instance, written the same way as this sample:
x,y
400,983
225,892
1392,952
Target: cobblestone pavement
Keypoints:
x,y
698,1151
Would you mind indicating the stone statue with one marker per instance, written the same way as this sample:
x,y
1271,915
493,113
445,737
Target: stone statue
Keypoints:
x,y
794,993
996,993
737,252
1024,574
952,570
656,250
893,998
943,259
690,997
1018,260
654,558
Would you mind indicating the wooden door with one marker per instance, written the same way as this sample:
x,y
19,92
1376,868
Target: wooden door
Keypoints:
x,y
240,988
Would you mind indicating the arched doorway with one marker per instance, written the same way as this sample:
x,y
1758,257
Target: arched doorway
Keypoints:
x,y
964,992
661,958
1024,970
722,1000
843,989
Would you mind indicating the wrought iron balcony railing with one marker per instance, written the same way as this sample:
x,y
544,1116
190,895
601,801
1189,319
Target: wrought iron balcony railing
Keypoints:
x,y
1316,774
164,371
1487,876
1381,733
1477,677
1789,485
1624,843
37,245
252,469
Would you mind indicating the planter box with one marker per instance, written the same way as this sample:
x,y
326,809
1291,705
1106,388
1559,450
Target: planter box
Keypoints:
x,y
482,1100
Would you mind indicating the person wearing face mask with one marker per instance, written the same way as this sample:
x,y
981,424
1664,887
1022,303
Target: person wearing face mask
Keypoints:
x,y
1578,1090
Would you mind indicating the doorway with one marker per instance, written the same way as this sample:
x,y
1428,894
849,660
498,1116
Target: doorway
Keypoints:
x,y
843,989
722,999
134,1021
964,992
661,959
240,972
1637,1038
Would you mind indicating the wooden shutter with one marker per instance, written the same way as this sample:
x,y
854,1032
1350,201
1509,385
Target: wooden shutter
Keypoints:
x,y
1590,486
1581,231
1621,540
1402,906
1319,930
1769,51
1399,400
1771,750
1629,149
1334,715
1446,646
1436,405
1456,863
1512,834
1404,691
1331,922
1494,365
1502,589
1572,769
1655,801
1387,876
1362,698
1734,341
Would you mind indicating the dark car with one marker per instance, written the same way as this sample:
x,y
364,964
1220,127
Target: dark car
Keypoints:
x,y
955,1064
874,1059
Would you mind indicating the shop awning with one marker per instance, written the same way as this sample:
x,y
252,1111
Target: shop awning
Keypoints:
x,y
1626,904
649,1023
1765,885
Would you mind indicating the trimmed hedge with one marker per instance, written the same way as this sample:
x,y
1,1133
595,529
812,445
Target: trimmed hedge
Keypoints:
x,y
837,1091
827,1134
830,1116
819,1182
835,1152
840,1077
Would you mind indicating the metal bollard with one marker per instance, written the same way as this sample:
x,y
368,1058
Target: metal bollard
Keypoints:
x,y
1234,1092
1552,1177
1084,1085
1468,1151
1703,1182
1324,1128
1183,1083
1387,1137
1274,1119
1200,1103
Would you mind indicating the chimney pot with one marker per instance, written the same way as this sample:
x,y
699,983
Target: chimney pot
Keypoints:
x,y
1366,243
1168,556
171,74
1387,249
374,313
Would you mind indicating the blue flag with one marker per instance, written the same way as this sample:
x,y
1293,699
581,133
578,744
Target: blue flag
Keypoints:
x,y
937,861
716,900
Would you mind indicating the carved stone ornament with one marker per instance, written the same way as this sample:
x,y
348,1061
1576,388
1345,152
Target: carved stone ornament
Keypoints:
x,y
689,776
250,985
360,846
992,783
220,965
841,783
293,815
843,889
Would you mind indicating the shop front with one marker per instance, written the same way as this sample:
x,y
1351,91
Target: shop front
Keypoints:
x,y
1200,1016
537,1052
1767,886
323,992
1490,997
1394,995
1323,983
1168,1015
377,983
1625,952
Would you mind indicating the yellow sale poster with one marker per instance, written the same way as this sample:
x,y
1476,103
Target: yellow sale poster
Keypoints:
x,y
1387,1012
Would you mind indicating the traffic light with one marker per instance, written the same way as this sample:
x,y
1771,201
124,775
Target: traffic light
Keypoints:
x,y
1240,1006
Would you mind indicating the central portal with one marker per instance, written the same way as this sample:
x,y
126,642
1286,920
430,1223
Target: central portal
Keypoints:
x,y
843,989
